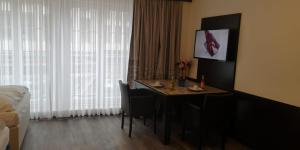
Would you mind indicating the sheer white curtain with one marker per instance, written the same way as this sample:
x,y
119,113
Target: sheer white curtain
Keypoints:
x,y
70,53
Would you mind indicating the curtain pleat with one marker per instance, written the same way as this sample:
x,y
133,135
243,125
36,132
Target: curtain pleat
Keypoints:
x,y
69,53
155,42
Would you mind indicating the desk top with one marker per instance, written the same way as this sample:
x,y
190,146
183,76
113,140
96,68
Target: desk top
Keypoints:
x,y
178,90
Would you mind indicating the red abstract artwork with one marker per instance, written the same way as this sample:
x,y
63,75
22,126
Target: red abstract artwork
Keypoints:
x,y
212,46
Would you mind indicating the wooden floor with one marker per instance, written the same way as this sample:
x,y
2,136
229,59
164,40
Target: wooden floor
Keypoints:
x,y
99,133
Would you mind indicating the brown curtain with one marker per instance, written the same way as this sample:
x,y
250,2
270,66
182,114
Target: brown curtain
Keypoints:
x,y
155,42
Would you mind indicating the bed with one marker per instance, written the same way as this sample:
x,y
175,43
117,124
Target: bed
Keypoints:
x,y
4,138
18,119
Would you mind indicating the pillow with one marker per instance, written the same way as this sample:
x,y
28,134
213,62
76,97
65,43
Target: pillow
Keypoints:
x,y
5,104
13,95
14,89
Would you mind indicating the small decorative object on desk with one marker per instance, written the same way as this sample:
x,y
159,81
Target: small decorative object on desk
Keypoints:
x,y
157,84
195,88
184,66
172,83
202,82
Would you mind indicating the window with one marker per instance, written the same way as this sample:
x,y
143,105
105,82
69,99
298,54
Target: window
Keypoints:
x,y
69,53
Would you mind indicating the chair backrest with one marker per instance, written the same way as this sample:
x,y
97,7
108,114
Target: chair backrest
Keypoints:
x,y
124,96
215,108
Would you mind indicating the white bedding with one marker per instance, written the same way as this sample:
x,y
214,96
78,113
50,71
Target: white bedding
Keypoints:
x,y
13,94
16,89
4,138
19,97
23,110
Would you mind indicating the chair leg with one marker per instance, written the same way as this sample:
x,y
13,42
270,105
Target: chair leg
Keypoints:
x,y
200,147
154,121
122,123
130,125
183,130
200,142
183,119
223,142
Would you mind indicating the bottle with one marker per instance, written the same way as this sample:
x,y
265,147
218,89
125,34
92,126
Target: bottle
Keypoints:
x,y
173,83
202,82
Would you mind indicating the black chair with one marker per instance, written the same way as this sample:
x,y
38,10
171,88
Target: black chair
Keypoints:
x,y
208,120
136,103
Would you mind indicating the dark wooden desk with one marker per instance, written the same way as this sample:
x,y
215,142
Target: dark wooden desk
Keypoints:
x,y
168,94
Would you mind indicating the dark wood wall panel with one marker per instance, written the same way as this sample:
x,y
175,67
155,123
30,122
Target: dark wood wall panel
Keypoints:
x,y
258,122
218,74
221,74
266,124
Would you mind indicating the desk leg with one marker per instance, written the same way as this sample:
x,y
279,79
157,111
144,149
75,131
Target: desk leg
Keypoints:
x,y
166,120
